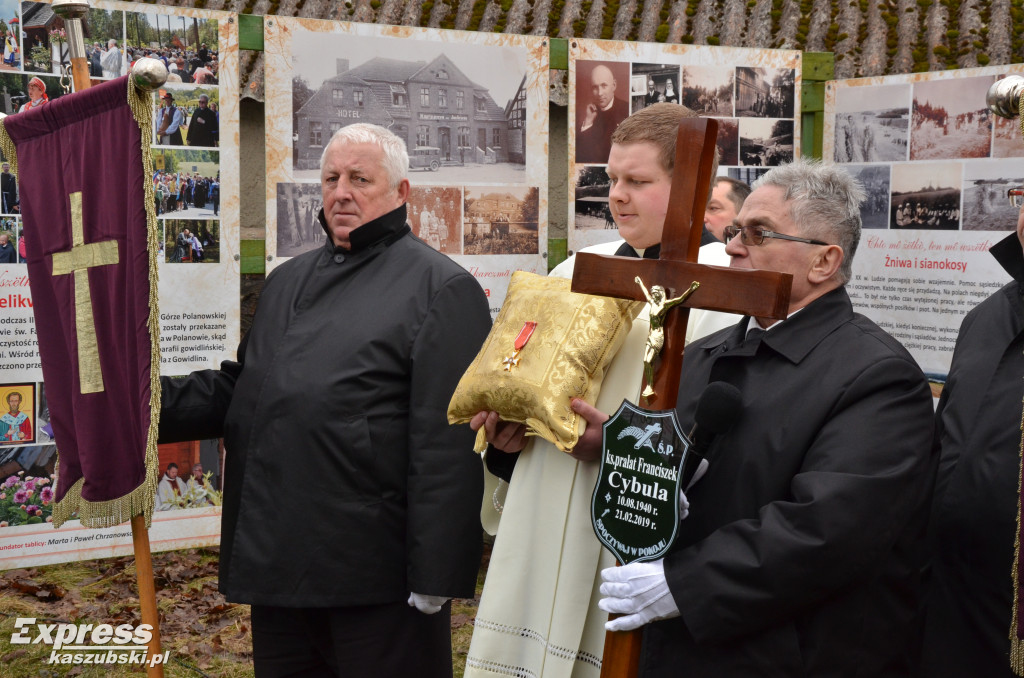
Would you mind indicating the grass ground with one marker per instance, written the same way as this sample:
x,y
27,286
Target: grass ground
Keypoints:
x,y
207,637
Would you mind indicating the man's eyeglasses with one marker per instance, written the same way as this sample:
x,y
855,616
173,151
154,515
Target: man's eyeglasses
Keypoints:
x,y
755,235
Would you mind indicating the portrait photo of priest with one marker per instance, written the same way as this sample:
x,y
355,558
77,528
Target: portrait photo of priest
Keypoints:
x,y
602,102
17,403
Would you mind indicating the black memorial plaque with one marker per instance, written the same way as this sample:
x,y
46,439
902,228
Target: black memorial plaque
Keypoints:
x,y
635,507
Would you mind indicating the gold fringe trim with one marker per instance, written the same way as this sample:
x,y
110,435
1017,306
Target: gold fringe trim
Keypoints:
x,y
140,500
9,149
1016,643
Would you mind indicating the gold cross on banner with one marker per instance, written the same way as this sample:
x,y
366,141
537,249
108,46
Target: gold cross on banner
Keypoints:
x,y
78,260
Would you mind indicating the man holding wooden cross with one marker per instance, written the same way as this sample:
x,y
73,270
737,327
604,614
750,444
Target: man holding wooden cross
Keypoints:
x,y
801,553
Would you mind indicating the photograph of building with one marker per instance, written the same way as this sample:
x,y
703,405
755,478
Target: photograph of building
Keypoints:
x,y
452,124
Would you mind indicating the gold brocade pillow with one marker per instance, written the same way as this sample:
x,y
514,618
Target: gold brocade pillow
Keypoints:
x,y
565,357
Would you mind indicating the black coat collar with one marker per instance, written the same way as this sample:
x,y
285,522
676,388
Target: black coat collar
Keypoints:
x,y
385,229
797,336
1010,256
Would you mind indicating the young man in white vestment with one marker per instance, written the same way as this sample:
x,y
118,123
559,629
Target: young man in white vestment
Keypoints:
x,y
538,615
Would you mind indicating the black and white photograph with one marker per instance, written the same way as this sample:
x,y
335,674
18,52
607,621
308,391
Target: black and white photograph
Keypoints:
x,y
874,211
187,45
708,90
501,220
765,142
191,242
653,84
765,92
985,204
591,199
950,119
1006,138
186,183
456,105
926,196
434,212
872,123
298,228
728,141
602,102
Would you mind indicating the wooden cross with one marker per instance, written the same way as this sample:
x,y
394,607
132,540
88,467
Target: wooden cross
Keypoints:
x,y
78,260
763,294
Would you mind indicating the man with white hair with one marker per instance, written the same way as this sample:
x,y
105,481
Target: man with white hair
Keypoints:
x,y
203,128
350,505
804,543
111,60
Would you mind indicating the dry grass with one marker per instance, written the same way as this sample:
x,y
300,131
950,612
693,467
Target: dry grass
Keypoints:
x,y
207,637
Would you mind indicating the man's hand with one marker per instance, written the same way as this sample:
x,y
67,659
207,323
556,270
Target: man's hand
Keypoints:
x,y
639,592
588,448
427,604
589,117
507,436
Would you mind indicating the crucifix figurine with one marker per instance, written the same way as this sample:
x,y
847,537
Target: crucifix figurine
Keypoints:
x,y
763,294
659,305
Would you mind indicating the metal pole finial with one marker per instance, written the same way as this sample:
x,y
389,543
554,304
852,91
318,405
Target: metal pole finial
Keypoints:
x,y
1003,96
148,74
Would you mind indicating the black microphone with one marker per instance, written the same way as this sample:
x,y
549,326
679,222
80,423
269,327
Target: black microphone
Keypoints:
x,y
717,411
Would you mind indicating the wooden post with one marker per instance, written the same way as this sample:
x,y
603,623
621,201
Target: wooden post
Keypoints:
x,y
147,591
757,293
72,12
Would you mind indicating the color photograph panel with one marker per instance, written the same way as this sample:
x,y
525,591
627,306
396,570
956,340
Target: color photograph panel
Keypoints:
x,y
186,183
191,242
191,111
187,45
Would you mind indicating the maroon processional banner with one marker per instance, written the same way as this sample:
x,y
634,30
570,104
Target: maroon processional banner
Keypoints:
x,y
83,165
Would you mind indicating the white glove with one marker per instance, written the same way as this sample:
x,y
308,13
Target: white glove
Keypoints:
x,y
684,505
639,591
427,604
702,468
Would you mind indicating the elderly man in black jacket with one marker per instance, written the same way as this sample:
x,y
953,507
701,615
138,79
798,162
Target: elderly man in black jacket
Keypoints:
x,y
801,552
350,506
